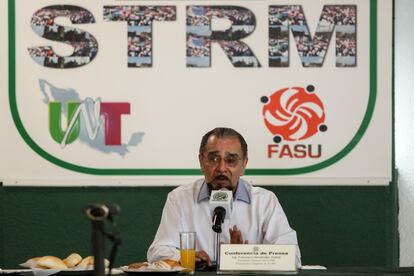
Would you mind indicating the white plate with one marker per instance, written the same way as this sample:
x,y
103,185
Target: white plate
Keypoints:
x,y
73,271
154,271
11,271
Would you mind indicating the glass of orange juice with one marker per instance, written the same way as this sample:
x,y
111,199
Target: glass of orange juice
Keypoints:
x,y
187,250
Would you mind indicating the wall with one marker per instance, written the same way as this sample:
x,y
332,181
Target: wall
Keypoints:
x,y
336,226
404,128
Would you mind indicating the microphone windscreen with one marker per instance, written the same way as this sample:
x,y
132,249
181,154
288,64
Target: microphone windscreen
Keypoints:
x,y
101,210
222,198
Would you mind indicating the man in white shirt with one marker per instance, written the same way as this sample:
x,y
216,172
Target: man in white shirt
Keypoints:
x,y
257,216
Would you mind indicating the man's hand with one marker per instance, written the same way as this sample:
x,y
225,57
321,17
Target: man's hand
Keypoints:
x,y
236,236
202,256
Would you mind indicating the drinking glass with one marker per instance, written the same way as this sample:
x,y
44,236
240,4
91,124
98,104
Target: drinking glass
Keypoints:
x,y
187,250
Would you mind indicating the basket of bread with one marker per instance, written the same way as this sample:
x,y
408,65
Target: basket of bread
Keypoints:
x,y
48,265
167,265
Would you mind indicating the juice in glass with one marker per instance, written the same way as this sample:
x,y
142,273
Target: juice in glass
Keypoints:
x,y
187,258
187,250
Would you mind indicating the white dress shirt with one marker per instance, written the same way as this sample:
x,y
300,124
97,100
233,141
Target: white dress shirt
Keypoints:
x,y
256,212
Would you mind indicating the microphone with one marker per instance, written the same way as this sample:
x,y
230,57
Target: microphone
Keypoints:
x,y
98,211
221,205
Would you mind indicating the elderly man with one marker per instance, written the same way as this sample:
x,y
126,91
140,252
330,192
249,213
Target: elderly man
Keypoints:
x,y
257,216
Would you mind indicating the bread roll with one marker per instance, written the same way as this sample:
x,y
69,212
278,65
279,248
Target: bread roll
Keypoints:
x,y
172,263
72,260
86,262
89,261
30,263
137,265
51,262
162,265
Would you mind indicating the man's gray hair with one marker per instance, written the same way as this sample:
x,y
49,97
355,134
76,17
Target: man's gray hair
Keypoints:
x,y
223,132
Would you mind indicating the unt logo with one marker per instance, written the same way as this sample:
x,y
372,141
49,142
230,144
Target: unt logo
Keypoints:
x,y
93,122
95,113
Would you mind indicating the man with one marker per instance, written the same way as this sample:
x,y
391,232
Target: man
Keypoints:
x,y
257,217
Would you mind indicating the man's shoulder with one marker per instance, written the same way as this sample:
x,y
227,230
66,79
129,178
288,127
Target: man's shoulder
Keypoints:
x,y
187,189
259,192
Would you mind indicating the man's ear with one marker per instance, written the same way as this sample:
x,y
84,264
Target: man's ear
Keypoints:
x,y
244,165
200,160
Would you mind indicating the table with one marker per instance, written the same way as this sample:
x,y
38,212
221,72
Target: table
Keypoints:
x,y
339,271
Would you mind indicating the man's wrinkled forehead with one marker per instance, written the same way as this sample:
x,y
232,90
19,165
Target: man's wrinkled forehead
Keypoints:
x,y
225,153
223,146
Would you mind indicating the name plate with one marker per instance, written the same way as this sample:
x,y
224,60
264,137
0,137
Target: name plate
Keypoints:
x,y
259,257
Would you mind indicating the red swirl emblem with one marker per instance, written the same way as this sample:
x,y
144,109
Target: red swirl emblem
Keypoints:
x,y
294,114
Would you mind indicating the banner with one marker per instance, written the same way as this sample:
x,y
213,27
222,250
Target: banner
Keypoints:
x,y
108,92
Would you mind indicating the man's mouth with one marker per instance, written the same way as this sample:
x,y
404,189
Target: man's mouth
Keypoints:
x,y
221,178
219,182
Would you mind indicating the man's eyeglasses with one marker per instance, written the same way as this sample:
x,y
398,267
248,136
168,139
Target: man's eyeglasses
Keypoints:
x,y
231,160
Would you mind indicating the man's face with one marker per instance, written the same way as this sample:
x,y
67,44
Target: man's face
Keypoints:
x,y
222,162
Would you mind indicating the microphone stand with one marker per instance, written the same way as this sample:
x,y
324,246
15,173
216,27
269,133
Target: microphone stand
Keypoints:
x,y
98,247
217,250
218,219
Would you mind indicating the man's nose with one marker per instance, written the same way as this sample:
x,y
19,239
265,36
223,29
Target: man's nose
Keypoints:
x,y
222,166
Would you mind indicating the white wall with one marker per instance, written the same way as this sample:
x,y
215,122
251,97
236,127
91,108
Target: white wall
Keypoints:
x,y
404,124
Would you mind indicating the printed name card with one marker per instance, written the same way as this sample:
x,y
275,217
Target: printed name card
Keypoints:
x,y
259,257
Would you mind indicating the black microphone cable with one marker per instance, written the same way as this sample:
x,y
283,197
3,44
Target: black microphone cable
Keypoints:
x,y
100,213
115,237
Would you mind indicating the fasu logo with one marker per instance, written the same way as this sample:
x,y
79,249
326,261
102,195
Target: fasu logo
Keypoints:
x,y
294,114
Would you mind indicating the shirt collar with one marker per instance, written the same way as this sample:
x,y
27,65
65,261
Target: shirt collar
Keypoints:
x,y
242,192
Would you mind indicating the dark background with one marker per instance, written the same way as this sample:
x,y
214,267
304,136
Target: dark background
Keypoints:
x,y
336,225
